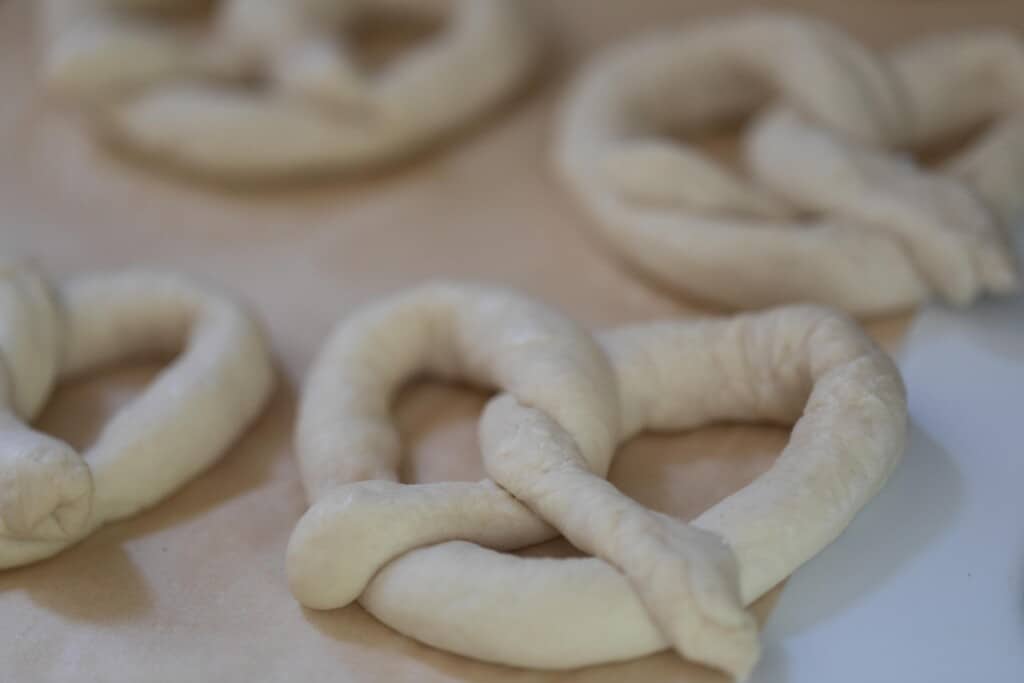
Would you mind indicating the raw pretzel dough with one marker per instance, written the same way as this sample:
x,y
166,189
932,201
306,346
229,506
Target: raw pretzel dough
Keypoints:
x,y
803,364
177,94
50,496
887,235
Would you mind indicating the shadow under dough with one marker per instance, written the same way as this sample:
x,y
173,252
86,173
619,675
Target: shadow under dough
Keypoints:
x,y
354,626
886,534
98,583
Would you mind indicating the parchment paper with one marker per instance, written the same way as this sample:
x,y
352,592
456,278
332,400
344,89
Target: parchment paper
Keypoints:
x,y
194,590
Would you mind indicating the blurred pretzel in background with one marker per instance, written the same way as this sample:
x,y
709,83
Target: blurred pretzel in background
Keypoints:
x,y
261,89
834,210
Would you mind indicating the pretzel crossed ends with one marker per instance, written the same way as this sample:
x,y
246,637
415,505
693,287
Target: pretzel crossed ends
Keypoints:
x,y
428,560
50,495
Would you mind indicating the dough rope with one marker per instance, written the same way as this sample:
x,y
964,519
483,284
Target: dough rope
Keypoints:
x,y
420,558
50,496
177,94
828,118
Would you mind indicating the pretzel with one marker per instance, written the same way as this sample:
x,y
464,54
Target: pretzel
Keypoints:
x,y
179,94
885,234
50,496
409,553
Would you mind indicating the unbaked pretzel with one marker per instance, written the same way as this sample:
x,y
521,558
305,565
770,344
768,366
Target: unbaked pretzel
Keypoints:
x,y
373,540
52,497
177,94
887,233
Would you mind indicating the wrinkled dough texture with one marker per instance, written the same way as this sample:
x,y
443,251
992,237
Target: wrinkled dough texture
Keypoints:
x,y
830,124
179,95
50,495
422,557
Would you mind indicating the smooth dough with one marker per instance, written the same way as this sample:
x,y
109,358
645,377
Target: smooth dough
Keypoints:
x,y
381,541
830,121
52,497
178,93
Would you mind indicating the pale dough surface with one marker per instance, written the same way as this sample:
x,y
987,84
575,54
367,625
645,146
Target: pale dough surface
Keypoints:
x,y
195,589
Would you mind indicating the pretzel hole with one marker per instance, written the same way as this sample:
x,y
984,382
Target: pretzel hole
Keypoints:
x,y
720,140
255,82
713,123
79,408
438,426
189,17
379,38
937,153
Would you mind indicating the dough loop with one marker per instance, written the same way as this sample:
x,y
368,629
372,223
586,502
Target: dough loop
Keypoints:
x,y
268,89
833,211
422,558
52,497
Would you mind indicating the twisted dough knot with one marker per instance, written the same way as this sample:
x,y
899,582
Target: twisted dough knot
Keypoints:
x,y
178,92
50,496
408,553
830,120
